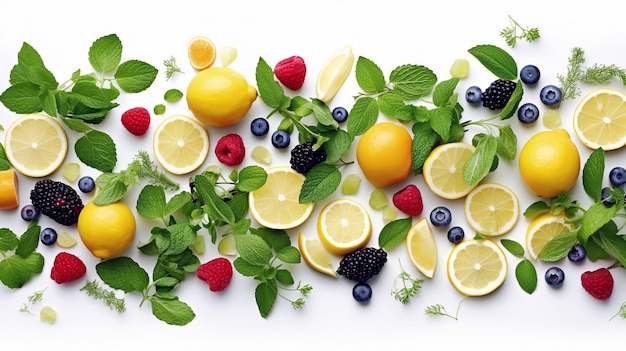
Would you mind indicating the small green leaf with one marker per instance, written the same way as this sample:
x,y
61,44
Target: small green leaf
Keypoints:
x,y
265,295
526,275
444,91
558,247
536,208
8,240
413,81
394,233
424,140
15,271
337,145
270,91
322,113
479,163
22,98
320,183
215,207
123,273
613,244
596,216
247,269
251,178
507,142
28,241
283,276
171,311
496,60
151,202
440,121
363,115
390,104
96,149
253,249
512,246
593,173
173,95
369,76
105,54
135,76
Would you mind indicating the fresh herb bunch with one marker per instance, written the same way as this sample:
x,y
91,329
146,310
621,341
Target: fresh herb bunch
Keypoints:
x,y
84,99
515,31
20,260
404,286
171,67
402,97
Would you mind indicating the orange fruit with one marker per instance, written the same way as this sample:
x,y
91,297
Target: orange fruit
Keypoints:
x,y
384,154
8,190
108,230
202,52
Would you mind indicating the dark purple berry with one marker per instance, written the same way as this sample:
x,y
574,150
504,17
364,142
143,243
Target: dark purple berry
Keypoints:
x,y
607,199
617,176
529,74
362,292
29,213
528,113
555,277
550,95
456,234
473,95
340,114
440,216
48,236
577,253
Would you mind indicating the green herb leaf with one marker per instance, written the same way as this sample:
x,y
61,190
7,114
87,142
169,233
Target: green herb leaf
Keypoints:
x,y
392,105
596,216
213,204
440,121
270,90
22,98
394,232
171,310
26,57
593,173
265,295
337,145
123,273
159,109
289,254
151,202
112,192
496,60
512,246
277,239
135,76
536,208
28,242
526,275
96,149
444,91
173,95
413,81
320,182
424,140
93,289
8,240
507,142
558,247
15,270
369,76
253,249
613,244
251,178
479,163
105,54
247,269
363,115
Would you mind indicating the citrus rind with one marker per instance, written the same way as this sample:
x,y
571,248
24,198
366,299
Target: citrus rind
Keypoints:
x,y
476,267
422,247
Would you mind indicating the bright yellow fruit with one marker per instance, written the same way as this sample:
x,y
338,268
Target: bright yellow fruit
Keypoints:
x,y
315,255
9,198
35,145
108,230
276,204
220,96
443,170
422,247
180,144
542,229
384,154
600,119
549,163
202,52
344,226
334,73
492,209
476,267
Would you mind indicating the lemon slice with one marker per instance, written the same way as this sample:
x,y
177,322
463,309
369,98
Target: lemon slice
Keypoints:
x,y
344,226
492,209
600,119
202,52
443,170
315,255
35,145
422,247
334,73
180,144
476,267
275,205
542,229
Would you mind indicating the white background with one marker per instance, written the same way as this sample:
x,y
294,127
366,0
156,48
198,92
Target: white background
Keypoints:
x,y
390,33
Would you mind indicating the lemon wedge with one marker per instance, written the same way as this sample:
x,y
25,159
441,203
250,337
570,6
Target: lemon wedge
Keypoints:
x,y
422,247
334,73
315,255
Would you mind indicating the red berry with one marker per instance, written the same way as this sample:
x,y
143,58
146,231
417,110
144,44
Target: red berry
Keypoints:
x,y
67,268
291,72
217,273
230,149
136,120
598,283
409,200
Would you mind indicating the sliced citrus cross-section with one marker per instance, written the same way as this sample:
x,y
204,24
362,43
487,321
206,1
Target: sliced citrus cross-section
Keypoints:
x,y
344,226
334,73
9,196
35,145
180,144
477,267
542,229
492,209
276,204
202,52
600,119
443,170
422,247
315,255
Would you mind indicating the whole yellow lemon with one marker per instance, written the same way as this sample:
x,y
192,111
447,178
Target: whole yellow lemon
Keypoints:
x,y
549,163
219,96
384,154
107,230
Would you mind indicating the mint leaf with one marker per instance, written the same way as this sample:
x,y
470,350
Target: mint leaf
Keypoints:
x,y
593,173
526,275
289,254
123,273
173,95
363,115
5,165
613,244
15,271
496,60
283,276
444,91
28,242
253,249
337,145
251,178
321,181
269,89
558,247
512,246
151,202
105,53
277,239
171,310
26,57
8,240
507,142
22,98
479,163
369,76
394,232
596,216
213,205
265,295
391,105
180,237
247,269
440,121
96,149
113,191
412,81
536,208
424,140
135,76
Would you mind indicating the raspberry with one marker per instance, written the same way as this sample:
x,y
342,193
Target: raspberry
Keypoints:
x,y
409,200
303,158
57,200
598,283
67,268
291,72
230,149
136,120
362,264
217,273
497,95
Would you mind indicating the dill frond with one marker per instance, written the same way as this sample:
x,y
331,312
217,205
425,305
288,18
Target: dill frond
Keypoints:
x,y
148,169
171,67
93,289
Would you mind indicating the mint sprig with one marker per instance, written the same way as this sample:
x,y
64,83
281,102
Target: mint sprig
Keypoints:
x,y
525,271
20,260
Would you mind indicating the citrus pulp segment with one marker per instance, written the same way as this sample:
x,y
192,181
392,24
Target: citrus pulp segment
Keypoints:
x,y
476,267
542,229
202,52
180,144
443,170
492,209
600,119
422,247
334,73
276,204
315,255
344,226
35,145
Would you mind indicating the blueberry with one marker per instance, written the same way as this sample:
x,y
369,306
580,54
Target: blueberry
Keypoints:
x,y
528,113
529,74
473,94
280,139
555,277
29,213
617,176
48,236
362,292
86,184
259,126
550,95
440,216
340,114
456,235
607,199
577,253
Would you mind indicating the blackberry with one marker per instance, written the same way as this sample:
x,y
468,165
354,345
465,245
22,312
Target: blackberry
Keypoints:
x,y
303,158
497,95
362,264
57,200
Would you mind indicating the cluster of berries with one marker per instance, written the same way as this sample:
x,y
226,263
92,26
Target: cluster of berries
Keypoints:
x,y
360,266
